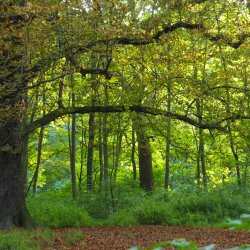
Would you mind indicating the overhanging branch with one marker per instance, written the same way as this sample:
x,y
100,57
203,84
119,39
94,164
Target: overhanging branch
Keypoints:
x,y
52,116
165,30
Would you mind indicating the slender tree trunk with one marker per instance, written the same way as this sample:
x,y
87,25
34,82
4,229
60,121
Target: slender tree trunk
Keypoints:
x,y
201,161
167,163
198,168
168,135
246,83
90,151
168,138
83,140
117,142
235,154
133,152
38,162
118,148
105,140
39,148
60,94
72,149
230,134
202,158
201,147
100,146
105,149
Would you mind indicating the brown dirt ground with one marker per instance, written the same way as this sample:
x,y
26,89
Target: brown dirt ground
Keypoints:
x,y
123,238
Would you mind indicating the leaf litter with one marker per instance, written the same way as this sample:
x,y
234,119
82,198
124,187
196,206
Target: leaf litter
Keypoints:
x,y
143,236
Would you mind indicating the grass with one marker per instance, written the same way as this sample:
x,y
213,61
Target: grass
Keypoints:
x,y
26,240
73,236
36,239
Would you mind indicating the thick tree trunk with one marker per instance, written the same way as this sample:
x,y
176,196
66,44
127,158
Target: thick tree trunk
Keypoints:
x,y
13,212
145,162
144,155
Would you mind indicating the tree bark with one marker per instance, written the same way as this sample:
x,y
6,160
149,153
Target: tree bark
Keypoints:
x,y
90,151
40,143
105,149
235,154
133,152
168,138
105,140
13,212
72,149
83,145
144,155
100,146
38,162
201,148
117,151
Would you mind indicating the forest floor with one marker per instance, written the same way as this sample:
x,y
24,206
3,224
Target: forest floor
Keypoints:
x,y
122,238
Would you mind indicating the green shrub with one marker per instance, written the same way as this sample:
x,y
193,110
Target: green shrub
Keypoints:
x,y
57,213
203,207
122,218
98,205
155,214
132,206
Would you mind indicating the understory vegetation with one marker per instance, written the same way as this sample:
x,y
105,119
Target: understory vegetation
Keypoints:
x,y
226,207
131,206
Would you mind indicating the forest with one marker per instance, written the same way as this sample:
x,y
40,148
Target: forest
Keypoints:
x,y
124,124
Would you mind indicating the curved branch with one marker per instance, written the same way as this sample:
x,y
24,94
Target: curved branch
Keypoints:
x,y
52,116
165,29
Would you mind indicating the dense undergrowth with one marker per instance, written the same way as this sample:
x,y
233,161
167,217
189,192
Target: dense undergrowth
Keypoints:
x,y
131,206
223,207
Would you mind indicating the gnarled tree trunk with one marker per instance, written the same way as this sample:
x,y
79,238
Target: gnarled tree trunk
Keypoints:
x,y
13,212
